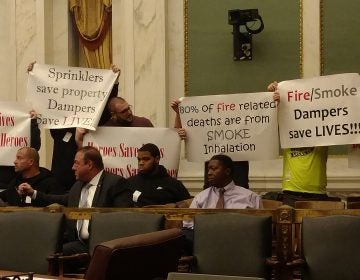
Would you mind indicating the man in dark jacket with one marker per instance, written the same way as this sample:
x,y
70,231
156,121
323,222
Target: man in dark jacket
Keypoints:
x,y
153,185
94,188
7,173
28,172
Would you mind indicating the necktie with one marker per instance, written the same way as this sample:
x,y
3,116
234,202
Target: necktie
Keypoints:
x,y
84,196
221,202
83,224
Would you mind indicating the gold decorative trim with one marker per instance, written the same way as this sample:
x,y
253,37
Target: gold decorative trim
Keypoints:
x,y
301,41
186,47
321,37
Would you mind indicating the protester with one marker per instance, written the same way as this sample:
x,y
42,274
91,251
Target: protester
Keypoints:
x,y
65,146
304,170
241,168
121,116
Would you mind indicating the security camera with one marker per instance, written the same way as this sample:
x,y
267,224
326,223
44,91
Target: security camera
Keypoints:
x,y
242,16
242,41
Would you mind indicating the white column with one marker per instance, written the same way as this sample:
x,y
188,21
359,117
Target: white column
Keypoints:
x,y
150,60
139,49
123,45
311,38
7,50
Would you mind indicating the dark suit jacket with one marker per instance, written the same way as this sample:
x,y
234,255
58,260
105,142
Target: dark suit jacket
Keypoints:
x,y
110,192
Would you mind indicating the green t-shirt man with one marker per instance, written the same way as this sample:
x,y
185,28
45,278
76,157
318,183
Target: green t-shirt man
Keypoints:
x,y
305,170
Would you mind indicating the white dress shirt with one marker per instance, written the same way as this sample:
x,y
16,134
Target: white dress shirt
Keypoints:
x,y
235,197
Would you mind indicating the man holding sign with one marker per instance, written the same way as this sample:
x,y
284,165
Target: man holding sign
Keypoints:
x,y
122,116
313,114
304,169
68,97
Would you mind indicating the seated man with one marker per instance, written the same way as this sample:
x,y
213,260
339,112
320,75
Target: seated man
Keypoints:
x,y
7,173
222,193
94,188
241,168
153,185
28,172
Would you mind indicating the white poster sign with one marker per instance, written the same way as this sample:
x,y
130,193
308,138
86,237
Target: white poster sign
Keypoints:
x,y
242,126
14,130
69,96
119,146
320,111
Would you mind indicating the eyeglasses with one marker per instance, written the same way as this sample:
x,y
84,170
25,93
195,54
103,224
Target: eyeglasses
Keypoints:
x,y
125,110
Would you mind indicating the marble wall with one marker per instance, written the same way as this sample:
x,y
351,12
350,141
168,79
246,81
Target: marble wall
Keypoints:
x,y
148,46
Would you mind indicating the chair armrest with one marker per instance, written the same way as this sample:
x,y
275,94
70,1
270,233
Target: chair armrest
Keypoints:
x,y
296,263
56,262
81,256
186,263
273,262
53,264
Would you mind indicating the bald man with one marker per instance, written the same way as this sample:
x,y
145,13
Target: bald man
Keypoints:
x,y
29,172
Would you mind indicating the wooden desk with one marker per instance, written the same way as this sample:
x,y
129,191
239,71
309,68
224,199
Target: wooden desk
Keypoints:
x,y
6,273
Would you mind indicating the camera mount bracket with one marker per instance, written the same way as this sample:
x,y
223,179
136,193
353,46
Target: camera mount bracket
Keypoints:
x,y
242,40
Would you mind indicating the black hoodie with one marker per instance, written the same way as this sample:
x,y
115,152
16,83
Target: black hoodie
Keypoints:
x,y
44,182
156,187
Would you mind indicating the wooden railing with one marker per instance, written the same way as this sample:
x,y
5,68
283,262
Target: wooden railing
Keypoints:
x,y
285,220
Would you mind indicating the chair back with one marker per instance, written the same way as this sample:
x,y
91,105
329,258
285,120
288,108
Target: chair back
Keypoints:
x,y
232,244
320,205
28,238
353,202
353,205
331,247
108,226
271,204
193,276
145,256
353,199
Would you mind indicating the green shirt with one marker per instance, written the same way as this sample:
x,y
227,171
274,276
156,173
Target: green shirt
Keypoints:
x,y
305,169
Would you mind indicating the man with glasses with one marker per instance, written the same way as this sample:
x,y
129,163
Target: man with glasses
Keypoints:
x,y
121,115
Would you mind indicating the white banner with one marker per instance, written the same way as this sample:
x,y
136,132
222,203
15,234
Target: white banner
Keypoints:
x,y
69,96
14,130
320,111
242,126
119,145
